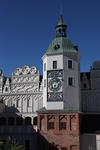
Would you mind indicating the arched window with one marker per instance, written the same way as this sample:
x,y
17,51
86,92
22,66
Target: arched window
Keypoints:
x,y
28,121
62,122
19,121
17,102
2,121
35,121
11,121
28,101
6,89
51,122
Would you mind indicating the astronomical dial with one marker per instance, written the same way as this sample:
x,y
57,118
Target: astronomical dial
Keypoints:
x,y
55,84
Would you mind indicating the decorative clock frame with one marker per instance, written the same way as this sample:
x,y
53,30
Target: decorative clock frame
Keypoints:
x,y
55,86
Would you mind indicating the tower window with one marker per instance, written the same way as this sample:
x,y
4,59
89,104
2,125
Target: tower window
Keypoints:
x,y
44,82
54,64
44,66
70,64
70,81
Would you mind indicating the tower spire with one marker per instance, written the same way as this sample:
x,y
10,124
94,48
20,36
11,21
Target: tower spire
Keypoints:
x,y
61,28
61,7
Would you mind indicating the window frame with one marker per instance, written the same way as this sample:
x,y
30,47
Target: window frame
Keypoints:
x,y
62,125
6,89
70,81
18,102
70,66
54,64
51,125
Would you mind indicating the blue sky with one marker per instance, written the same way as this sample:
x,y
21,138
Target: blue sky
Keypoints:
x,y
28,26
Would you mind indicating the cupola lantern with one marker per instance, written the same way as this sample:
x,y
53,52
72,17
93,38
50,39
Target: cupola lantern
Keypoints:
x,y
61,28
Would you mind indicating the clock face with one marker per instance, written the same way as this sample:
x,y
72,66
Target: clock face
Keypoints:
x,y
55,84
54,79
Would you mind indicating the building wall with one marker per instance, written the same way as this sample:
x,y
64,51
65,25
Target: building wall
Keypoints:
x,y
88,142
63,135
48,60
90,89
91,100
22,90
68,91
95,79
72,99
22,96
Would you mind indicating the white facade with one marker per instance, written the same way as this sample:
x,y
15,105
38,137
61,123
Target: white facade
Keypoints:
x,y
23,90
48,60
61,73
22,95
71,94
72,99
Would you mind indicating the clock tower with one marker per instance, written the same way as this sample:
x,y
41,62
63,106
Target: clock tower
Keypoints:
x,y
61,73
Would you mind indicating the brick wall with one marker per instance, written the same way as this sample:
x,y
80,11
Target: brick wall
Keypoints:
x,y
58,131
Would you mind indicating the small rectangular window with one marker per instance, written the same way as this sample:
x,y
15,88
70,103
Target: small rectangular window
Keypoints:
x,y
70,81
44,66
44,82
54,64
62,125
70,64
50,125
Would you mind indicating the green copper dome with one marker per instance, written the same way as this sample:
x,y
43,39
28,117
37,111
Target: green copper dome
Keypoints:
x,y
61,45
